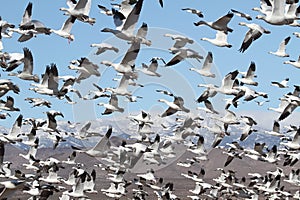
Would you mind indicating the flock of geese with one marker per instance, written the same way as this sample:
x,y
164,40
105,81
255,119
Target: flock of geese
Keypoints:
x,y
39,178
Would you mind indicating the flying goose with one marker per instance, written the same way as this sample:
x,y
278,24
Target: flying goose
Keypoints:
x,y
276,130
26,74
208,107
193,11
220,40
281,84
205,70
289,109
51,124
293,62
255,31
240,14
281,50
10,187
151,69
277,15
49,82
122,88
80,10
13,61
125,30
283,104
126,66
220,24
78,190
180,40
29,27
8,105
176,105
112,106
181,54
97,93
227,84
85,67
38,102
248,78
66,28
105,10
5,26
14,133
102,47
100,149
295,143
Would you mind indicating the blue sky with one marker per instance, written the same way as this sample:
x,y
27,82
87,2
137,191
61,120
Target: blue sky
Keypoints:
x,y
54,49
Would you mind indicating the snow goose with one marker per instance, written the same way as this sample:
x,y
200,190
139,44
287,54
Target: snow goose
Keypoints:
x,y
126,66
289,109
297,34
26,74
80,10
247,130
5,26
283,104
89,184
208,107
220,40
66,28
105,10
227,84
14,60
281,84
281,50
8,104
255,31
199,147
29,27
180,40
125,30
151,69
261,103
248,78
295,143
176,105
6,85
205,70
38,102
102,47
14,133
85,67
10,187
122,88
112,106
276,130
181,54
293,62
220,24
193,11
49,82
100,149
278,15
97,93
78,190
265,7
240,14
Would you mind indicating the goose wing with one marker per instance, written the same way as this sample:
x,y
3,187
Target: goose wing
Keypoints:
x,y
28,61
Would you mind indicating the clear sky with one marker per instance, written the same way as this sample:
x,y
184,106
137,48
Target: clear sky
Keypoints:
x,y
54,49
